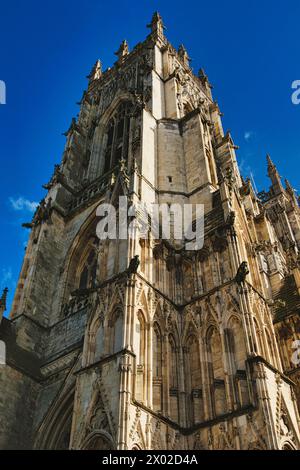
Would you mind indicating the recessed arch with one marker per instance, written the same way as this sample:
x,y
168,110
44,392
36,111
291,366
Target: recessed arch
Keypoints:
x,y
287,445
157,367
193,378
216,371
110,144
55,431
85,240
98,440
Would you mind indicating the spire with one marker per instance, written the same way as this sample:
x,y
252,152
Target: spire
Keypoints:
x,y
288,186
96,71
182,52
204,81
123,51
271,166
3,302
203,78
274,176
156,25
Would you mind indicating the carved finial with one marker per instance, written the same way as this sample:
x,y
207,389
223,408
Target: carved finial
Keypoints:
x,y
156,24
271,166
123,51
3,300
182,52
274,176
96,71
288,186
204,79
202,75
290,191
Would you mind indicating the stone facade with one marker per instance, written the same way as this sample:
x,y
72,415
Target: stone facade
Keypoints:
x,y
185,349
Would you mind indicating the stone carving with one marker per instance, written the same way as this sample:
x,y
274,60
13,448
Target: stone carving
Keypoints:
x,y
133,265
242,273
177,355
42,214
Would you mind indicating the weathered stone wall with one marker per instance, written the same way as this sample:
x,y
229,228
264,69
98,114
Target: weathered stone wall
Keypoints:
x,y
17,408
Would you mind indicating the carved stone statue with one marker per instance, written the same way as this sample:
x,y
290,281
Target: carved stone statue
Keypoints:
x,y
133,265
242,272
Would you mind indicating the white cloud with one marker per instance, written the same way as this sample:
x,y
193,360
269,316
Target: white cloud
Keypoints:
x,y
6,276
248,135
22,204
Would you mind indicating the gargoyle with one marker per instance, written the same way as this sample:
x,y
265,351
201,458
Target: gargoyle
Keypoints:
x,y
242,272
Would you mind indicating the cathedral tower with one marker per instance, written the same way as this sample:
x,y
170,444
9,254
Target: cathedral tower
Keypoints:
x,y
139,343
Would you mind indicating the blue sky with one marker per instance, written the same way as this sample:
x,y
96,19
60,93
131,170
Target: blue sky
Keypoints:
x,y
250,51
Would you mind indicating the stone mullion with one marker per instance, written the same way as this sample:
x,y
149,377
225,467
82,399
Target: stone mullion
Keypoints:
x,y
203,378
149,366
125,396
278,363
127,317
206,381
249,328
165,375
76,415
264,396
228,396
247,320
113,144
181,389
230,372
131,312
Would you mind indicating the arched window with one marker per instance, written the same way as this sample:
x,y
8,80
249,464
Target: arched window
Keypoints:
x,y
216,371
140,341
193,381
88,270
140,351
117,136
94,347
270,347
236,342
236,356
173,379
258,346
115,336
157,368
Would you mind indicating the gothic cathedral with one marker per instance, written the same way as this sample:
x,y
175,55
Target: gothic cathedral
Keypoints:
x,y
139,343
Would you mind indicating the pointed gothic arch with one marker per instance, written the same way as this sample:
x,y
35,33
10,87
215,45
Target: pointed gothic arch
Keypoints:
x,y
173,377
81,263
193,379
157,367
259,347
55,431
112,135
236,359
216,371
98,440
94,347
115,328
140,349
